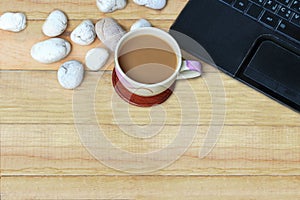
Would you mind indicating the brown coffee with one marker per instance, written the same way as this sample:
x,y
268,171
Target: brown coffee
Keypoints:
x,y
147,59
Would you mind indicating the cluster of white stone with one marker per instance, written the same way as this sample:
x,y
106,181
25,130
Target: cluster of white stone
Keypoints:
x,y
71,73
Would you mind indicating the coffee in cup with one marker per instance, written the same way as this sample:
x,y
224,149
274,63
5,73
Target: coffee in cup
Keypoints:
x,y
147,59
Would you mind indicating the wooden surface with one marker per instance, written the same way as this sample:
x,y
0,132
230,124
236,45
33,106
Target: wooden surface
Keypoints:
x,y
257,155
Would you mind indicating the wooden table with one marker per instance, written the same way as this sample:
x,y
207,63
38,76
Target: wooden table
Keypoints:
x,y
257,155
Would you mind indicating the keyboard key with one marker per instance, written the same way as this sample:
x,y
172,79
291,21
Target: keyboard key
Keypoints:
x,y
241,5
259,2
285,2
289,29
271,5
296,6
296,19
285,13
270,19
254,11
228,1
280,15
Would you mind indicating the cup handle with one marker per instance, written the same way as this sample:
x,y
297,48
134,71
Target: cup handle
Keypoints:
x,y
190,69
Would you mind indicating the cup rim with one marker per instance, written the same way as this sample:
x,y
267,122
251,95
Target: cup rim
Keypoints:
x,y
144,29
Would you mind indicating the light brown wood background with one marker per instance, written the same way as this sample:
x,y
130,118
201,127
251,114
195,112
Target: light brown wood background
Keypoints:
x,y
257,155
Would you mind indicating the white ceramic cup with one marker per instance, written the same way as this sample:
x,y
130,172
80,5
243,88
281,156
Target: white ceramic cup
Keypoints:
x,y
184,69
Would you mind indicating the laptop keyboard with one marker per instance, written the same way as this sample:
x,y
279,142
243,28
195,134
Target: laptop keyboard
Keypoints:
x,y
282,16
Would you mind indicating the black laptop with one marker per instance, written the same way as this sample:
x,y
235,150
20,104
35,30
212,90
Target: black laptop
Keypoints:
x,y
254,41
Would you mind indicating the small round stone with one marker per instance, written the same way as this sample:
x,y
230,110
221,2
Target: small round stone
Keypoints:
x,y
51,50
84,33
109,32
154,4
110,5
70,74
140,24
55,24
14,22
96,58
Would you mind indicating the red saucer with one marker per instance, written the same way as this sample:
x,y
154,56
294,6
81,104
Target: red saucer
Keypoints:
x,y
137,100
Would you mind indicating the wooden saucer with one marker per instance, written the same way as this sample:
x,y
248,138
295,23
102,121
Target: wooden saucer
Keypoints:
x,y
137,100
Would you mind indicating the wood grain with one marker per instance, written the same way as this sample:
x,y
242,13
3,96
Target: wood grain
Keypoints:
x,y
44,149
257,155
152,187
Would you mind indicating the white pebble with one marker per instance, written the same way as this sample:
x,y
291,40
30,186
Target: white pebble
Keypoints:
x,y
14,22
70,74
84,33
51,50
110,5
140,24
154,4
109,32
55,24
96,58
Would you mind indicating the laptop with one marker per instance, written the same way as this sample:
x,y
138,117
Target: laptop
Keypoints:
x,y
255,41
